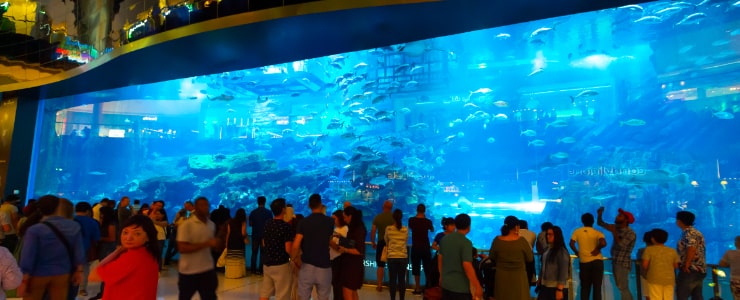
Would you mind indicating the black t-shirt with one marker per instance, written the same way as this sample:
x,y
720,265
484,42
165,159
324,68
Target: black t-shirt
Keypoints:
x,y
277,233
316,230
420,228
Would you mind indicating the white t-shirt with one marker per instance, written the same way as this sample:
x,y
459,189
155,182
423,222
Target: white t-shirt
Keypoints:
x,y
341,231
529,236
732,257
587,239
194,231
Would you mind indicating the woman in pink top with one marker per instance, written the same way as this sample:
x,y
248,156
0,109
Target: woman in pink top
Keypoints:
x,y
132,271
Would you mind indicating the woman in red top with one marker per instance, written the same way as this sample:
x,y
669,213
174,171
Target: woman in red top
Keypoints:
x,y
132,271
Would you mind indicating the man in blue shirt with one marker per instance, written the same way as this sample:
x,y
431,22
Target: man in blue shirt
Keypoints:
x,y
257,219
90,237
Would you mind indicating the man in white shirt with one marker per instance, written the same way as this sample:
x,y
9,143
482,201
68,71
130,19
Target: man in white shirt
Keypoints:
x,y
591,262
195,238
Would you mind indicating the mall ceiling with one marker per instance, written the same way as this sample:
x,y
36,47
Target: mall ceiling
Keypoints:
x,y
238,42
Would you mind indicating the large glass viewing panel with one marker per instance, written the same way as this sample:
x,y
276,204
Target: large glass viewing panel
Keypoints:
x,y
629,108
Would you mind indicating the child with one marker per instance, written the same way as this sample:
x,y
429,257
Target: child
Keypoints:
x,y
732,259
643,272
661,263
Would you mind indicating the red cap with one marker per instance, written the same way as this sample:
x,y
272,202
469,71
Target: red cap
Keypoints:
x,y
630,217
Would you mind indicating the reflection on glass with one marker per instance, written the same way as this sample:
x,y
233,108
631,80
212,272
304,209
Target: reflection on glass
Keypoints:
x,y
628,108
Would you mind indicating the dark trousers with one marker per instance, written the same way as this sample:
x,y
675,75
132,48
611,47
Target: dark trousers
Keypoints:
x,y
204,283
433,273
689,285
171,248
450,295
420,259
10,242
591,275
548,293
336,279
256,247
397,276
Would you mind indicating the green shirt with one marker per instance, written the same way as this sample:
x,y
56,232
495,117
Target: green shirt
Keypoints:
x,y
381,222
455,250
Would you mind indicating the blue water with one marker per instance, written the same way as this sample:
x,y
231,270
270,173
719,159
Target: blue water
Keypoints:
x,y
629,108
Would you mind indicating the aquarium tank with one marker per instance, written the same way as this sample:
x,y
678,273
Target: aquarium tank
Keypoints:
x,y
632,107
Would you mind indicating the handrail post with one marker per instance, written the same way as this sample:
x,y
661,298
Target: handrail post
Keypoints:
x,y
715,279
638,282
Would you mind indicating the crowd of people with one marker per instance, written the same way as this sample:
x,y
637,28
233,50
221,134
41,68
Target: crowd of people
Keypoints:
x,y
321,256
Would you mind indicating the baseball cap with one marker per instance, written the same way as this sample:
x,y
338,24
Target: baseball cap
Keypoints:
x,y
630,217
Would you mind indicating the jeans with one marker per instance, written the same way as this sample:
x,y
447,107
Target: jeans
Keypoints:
x,y
310,276
256,247
689,285
591,275
621,278
397,276
204,283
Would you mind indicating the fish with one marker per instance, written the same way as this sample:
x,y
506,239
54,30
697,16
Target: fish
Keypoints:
x,y
632,7
557,124
411,84
536,143
567,140
535,72
584,94
222,97
672,9
470,105
694,18
559,155
335,125
97,173
501,103
379,98
380,180
503,36
360,66
491,140
480,92
401,69
501,117
649,20
528,132
419,126
723,115
632,122
404,110
540,31
416,68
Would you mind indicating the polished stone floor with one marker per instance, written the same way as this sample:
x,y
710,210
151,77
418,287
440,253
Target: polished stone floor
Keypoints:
x,y
233,289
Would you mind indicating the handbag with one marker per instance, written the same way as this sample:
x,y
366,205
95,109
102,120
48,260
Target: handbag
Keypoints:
x,y
384,254
221,262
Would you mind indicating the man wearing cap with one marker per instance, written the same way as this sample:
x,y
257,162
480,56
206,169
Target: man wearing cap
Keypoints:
x,y
624,241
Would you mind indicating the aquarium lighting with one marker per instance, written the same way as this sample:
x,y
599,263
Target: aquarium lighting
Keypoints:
x,y
147,118
482,66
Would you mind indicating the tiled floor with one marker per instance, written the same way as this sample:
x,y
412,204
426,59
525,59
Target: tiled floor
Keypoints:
x,y
232,289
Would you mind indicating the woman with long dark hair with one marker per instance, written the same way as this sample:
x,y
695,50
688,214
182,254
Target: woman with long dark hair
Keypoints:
x,y
396,240
236,232
555,267
132,270
510,252
353,269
